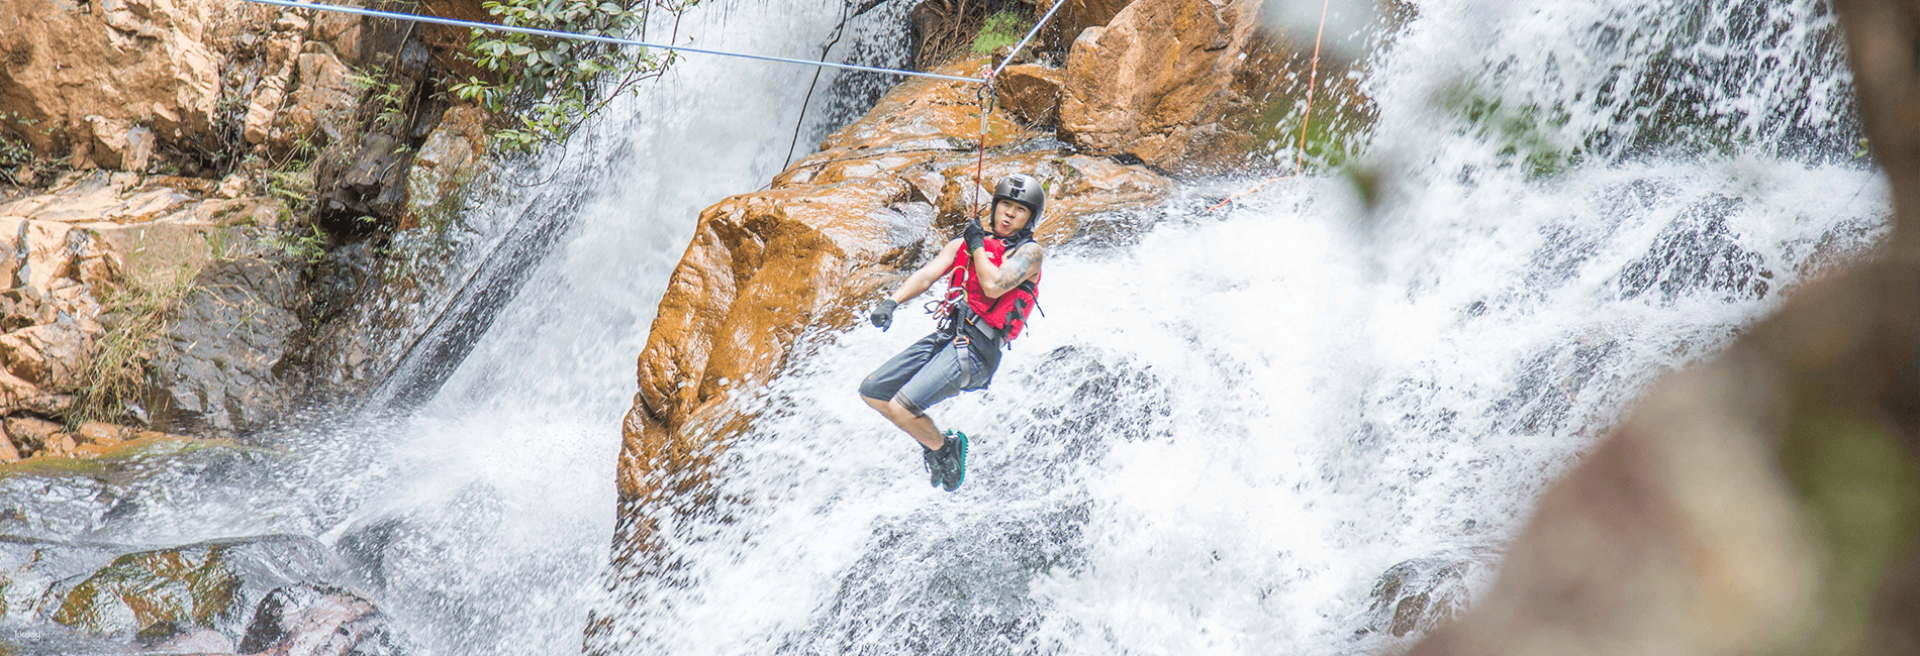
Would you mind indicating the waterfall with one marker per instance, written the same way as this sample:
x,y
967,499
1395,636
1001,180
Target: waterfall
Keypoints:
x,y
1227,426
1222,430
476,509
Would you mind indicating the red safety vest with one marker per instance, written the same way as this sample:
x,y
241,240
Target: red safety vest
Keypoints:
x,y
1007,313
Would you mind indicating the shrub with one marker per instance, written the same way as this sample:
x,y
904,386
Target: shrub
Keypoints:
x,y
551,85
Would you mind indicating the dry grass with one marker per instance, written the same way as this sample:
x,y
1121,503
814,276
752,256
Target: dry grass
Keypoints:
x,y
138,313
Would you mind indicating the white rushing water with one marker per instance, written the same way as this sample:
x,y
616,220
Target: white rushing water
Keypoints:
x,y
1225,429
1221,433
488,534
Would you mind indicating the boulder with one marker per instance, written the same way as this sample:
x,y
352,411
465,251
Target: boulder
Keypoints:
x,y
34,436
1031,92
127,62
214,371
1075,18
190,586
321,108
450,159
120,144
1419,594
311,620
1077,186
1151,84
49,356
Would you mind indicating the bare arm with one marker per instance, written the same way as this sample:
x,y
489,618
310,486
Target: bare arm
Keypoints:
x,y
918,282
1019,267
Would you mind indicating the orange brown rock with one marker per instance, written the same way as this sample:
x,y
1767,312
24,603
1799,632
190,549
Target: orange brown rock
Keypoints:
x,y
1152,81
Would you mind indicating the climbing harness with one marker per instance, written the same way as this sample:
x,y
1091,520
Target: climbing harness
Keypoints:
x,y
1300,150
296,4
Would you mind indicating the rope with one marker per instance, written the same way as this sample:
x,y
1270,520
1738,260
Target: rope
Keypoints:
x,y
980,163
602,39
1300,150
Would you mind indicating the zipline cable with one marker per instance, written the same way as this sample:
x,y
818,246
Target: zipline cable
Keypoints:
x,y
1057,4
418,18
1300,150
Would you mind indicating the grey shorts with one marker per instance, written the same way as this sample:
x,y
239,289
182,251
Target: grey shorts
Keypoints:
x,y
934,369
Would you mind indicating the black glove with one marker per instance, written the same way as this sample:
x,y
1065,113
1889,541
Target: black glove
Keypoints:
x,y
975,236
882,316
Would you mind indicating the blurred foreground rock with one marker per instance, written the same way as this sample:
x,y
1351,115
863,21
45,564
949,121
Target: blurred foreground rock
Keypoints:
x,y
1768,503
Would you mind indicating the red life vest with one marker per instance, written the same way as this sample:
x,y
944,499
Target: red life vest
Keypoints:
x,y
1007,313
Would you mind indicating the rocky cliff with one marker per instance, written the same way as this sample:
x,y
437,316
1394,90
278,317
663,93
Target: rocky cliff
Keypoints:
x,y
176,177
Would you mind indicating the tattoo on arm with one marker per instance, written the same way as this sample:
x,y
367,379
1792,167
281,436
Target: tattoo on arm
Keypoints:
x,y
1019,267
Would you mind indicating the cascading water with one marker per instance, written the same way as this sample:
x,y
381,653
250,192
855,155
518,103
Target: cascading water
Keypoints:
x,y
478,517
1227,427
1224,428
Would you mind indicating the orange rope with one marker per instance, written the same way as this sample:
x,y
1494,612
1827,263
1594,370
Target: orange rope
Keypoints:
x,y
1299,151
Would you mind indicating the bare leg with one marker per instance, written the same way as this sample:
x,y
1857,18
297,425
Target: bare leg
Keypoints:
x,y
920,428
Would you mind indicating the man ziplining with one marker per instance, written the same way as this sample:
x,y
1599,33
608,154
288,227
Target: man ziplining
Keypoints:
x,y
991,286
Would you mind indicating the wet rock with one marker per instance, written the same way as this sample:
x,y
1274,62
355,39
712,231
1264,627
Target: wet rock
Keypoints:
x,y
171,637
1031,92
1418,595
366,180
310,620
192,586
215,372
1151,82
131,62
450,159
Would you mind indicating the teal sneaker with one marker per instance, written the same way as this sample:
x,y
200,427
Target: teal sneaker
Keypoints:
x,y
951,461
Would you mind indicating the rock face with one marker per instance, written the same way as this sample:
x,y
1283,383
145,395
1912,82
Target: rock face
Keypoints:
x,y
810,253
81,75
216,373
78,257
1075,18
1152,83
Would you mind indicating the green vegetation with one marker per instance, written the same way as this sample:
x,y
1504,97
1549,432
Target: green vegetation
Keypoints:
x,y
551,86
1002,29
307,246
389,98
1529,136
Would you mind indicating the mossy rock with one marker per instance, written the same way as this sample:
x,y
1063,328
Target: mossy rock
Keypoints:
x,y
188,586
123,453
